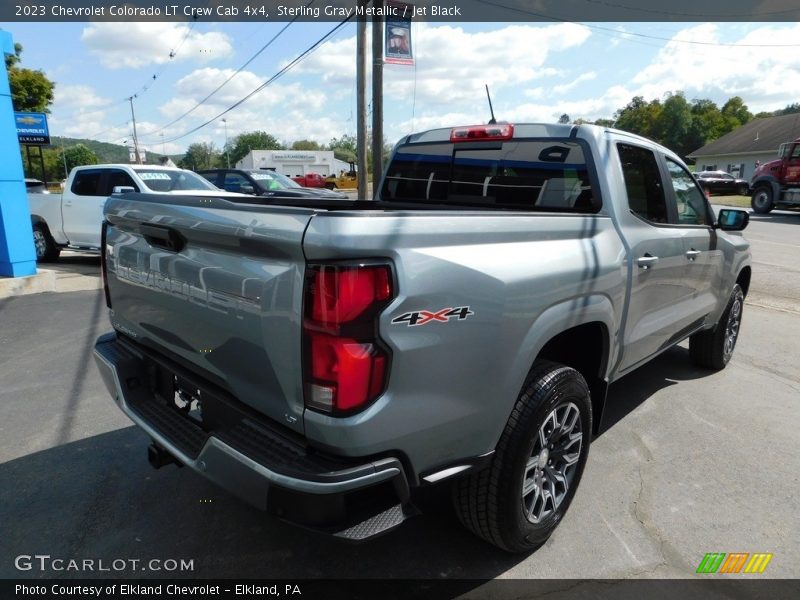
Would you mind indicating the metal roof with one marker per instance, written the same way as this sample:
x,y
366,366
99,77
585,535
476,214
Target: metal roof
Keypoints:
x,y
759,135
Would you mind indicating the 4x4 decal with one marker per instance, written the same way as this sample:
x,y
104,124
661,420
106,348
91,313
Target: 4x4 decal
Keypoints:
x,y
423,317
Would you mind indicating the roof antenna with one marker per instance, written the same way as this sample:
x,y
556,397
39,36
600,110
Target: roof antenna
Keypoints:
x,y
492,121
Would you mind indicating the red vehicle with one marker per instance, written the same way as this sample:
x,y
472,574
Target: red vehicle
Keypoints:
x,y
776,184
311,180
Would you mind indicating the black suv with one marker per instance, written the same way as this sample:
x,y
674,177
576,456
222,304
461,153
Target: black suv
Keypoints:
x,y
720,182
264,182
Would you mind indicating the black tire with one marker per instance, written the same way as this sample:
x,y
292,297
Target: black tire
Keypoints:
x,y
46,249
491,503
744,190
330,186
762,201
713,349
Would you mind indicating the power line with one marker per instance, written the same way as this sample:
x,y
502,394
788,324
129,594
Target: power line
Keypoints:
x,y
224,83
269,81
616,33
673,13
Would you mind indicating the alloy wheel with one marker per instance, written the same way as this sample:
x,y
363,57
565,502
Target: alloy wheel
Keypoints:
x,y
553,462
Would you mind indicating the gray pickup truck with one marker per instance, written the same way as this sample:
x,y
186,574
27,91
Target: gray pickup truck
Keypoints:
x,y
327,359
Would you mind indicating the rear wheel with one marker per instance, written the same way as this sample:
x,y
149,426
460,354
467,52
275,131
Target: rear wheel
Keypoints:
x,y
46,249
330,185
518,500
762,200
743,190
713,349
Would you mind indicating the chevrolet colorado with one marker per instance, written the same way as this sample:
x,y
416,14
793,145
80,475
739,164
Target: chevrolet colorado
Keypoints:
x,y
326,359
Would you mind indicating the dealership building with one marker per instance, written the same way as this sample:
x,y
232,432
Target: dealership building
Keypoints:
x,y
294,163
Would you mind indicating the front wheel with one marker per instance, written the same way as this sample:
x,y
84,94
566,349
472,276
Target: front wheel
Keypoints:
x,y
517,502
713,349
762,200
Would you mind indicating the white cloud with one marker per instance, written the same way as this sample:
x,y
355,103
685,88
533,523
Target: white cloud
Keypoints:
x,y
78,97
453,65
765,77
288,111
566,87
134,45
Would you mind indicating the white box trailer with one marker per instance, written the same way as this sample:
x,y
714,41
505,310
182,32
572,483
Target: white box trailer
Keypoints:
x,y
294,163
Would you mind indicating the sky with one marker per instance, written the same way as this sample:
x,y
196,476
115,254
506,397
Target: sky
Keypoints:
x,y
536,72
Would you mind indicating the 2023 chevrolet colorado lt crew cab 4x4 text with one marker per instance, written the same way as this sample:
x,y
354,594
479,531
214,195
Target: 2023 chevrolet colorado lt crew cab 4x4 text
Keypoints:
x,y
324,359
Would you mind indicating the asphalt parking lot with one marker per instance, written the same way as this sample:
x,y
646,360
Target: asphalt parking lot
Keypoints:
x,y
688,462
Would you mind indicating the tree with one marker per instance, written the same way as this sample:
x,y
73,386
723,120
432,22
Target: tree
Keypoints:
x,y
707,124
200,155
77,156
639,117
673,123
735,114
564,118
31,91
306,145
243,143
344,148
790,109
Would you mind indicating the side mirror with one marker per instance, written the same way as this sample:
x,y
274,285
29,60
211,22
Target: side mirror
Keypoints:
x,y
732,220
122,189
246,188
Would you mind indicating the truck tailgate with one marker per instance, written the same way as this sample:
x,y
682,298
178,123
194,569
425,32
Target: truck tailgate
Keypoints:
x,y
216,286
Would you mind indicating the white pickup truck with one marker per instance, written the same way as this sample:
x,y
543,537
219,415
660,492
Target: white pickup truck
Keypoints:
x,y
73,219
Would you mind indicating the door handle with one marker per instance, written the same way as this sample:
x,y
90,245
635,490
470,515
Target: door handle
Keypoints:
x,y
646,261
693,254
163,237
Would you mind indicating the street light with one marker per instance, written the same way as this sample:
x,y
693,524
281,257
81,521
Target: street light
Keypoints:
x,y
163,145
227,150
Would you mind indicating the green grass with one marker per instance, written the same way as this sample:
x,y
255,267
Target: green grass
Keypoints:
x,y
738,201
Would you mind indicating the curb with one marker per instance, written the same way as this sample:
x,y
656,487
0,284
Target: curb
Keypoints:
x,y
43,281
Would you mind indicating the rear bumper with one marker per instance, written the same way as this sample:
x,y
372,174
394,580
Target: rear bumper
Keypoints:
x,y
351,499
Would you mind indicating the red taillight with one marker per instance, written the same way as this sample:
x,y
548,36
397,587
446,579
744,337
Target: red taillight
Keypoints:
x,y
501,131
346,366
341,294
103,266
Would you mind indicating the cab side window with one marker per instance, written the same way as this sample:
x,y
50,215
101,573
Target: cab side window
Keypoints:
x,y
116,178
691,202
234,182
643,183
87,183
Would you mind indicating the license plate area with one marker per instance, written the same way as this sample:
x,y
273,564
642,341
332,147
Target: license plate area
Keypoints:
x,y
188,400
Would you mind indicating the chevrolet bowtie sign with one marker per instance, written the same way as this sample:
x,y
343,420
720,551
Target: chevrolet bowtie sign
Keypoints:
x,y
32,128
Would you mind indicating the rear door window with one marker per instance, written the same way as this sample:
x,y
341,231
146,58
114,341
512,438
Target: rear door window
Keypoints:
x,y
643,183
87,182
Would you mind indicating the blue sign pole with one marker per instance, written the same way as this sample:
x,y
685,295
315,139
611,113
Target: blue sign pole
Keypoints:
x,y
17,255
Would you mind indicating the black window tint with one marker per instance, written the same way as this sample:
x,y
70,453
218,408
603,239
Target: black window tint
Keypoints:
x,y
691,201
643,183
527,174
235,181
117,178
212,177
87,183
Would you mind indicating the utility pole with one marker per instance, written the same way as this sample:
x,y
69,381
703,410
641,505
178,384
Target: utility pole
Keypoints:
x,y
377,97
135,137
361,102
227,151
